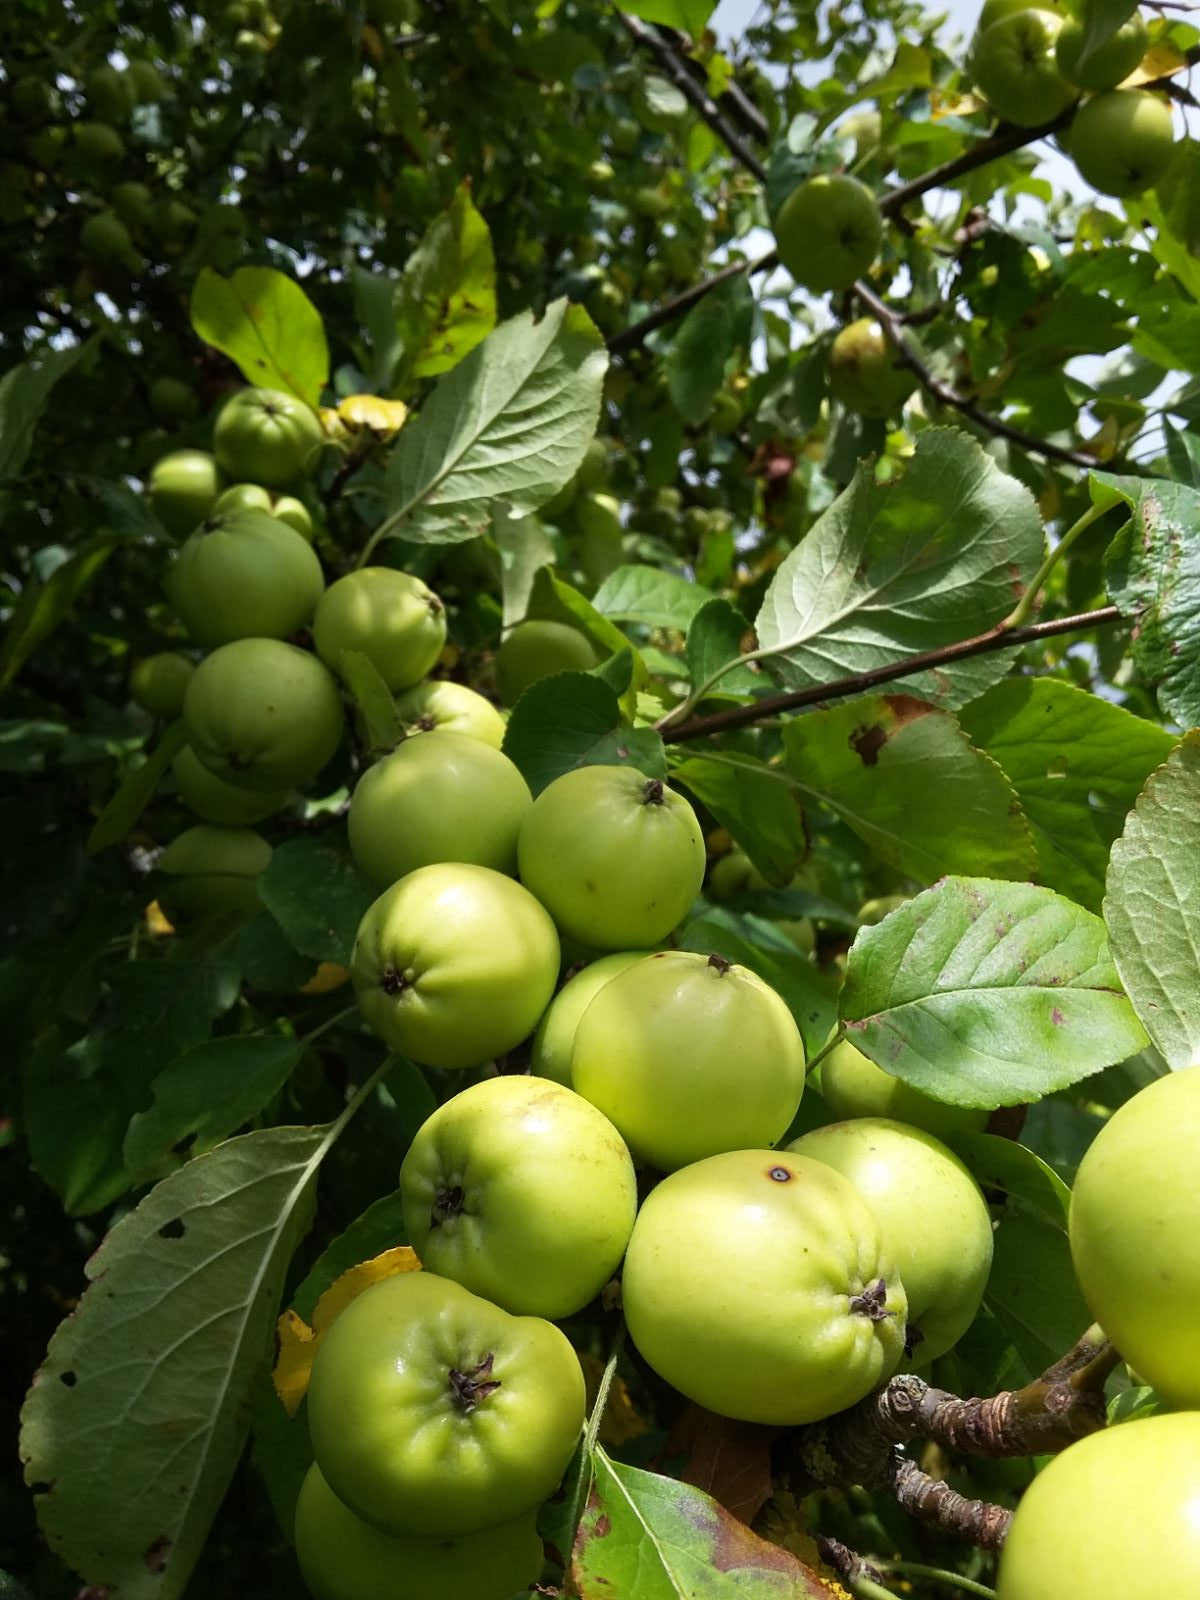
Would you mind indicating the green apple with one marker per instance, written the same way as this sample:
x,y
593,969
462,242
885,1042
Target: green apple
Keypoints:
x,y
174,222
172,400
158,682
441,705
263,714
241,575
873,911
555,1037
851,1085
109,94
32,100
758,1285
865,373
994,10
1108,65
934,1220
214,871
134,204
97,146
1135,1233
267,436
389,616
733,875
534,650
454,965
342,1557
1122,141
183,487
244,497
215,800
828,232
452,798
1114,1515
434,1413
592,472
522,1192
1014,64
107,240
147,82
688,1056
615,857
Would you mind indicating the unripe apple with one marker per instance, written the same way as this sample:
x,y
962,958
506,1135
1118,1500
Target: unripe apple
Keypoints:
x,y
1122,141
97,146
1111,1517
616,858
689,1055
32,100
262,714
242,575
452,798
757,1284
555,1037
1108,65
994,10
171,400
851,1085
391,617
215,800
438,704
1015,66
522,1192
1135,1233
109,94
267,436
244,497
592,472
134,204
342,1557
157,684
535,650
173,221
148,84
454,965
934,1220
183,487
865,372
828,232
107,240
214,871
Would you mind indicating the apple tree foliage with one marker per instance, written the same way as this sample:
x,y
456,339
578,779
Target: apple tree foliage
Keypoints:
x,y
481,235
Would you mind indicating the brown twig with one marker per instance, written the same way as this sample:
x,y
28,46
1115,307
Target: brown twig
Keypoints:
x,y
696,96
892,325
670,309
1000,638
977,1521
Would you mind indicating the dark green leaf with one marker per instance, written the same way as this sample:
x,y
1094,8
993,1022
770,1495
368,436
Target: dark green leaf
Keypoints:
x,y
313,890
136,791
757,803
572,719
43,606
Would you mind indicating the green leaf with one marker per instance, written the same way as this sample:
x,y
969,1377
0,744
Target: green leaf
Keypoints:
x,y
758,804
524,546
1016,1171
894,569
1101,19
512,421
1178,192
905,778
716,637
660,1539
446,300
707,337
267,326
136,791
148,1384
689,16
43,606
649,596
1153,571
552,600
208,1093
315,893
1077,763
573,719
373,698
268,961
987,994
24,391
1032,1292
809,994
1151,908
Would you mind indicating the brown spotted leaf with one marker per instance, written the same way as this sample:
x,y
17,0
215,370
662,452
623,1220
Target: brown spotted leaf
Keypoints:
x,y
908,781
986,994
729,1460
656,1539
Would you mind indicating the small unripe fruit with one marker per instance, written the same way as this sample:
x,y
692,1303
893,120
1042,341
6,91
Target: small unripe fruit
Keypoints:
x,y
828,232
244,575
158,683
215,800
183,487
215,872
535,650
440,705
391,617
1122,141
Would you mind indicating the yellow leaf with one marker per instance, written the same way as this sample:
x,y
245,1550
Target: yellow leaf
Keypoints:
x,y
1160,61
622,1420
298,1343
329,975
157,921
372,411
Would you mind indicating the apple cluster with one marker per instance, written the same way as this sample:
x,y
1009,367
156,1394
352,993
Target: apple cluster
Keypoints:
x,y
1032,64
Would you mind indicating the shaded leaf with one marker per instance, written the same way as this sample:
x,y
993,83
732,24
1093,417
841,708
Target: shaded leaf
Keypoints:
x,y
136,791
1032,1291
267,326
729,1460
1152,908
758,804
906,779
893,569
315,893
705,340
148,1385
1017,1172
373,698
44,605
986,994
524,547
24,391
1076,763
573,719
717,636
